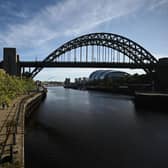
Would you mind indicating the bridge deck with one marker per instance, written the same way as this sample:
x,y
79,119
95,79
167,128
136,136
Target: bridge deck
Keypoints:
x,y
85,64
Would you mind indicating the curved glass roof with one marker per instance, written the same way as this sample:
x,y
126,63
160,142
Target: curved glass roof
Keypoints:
x,y
102,74
94,74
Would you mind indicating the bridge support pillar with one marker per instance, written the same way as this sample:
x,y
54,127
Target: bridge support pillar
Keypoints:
x,y
23,70
11,62
161,75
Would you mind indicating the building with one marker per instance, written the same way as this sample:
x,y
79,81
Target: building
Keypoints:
x,y
107,74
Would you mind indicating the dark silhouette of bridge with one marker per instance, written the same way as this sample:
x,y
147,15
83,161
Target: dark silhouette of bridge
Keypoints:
x,y
100,50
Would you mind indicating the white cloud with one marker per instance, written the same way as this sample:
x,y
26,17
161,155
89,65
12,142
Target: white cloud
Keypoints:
x,y
69,17
157,3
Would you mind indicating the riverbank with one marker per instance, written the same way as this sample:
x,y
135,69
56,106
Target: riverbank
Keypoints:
x,y
151,100
12,129
120,89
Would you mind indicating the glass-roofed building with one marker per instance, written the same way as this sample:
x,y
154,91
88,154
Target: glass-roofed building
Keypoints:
x,y
107,74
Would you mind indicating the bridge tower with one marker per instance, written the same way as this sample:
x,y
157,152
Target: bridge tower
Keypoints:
x,y
11,61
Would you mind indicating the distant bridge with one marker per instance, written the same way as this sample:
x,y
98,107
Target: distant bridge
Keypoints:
x,y
96,50
100,50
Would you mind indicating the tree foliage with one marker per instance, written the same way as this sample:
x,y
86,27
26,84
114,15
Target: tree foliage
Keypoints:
x,y
12,86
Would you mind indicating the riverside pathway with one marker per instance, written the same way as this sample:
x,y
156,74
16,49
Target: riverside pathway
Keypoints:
x,y
8,130
12,130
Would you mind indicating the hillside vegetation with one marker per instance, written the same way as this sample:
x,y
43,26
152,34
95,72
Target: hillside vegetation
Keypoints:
x,y
11,87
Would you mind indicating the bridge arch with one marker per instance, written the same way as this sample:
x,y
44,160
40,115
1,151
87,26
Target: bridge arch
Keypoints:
x,y
127,47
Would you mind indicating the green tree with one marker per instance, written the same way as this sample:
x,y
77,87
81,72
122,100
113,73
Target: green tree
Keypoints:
x,y
12,86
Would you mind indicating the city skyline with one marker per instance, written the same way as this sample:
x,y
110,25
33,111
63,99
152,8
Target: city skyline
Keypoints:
x,y
36,28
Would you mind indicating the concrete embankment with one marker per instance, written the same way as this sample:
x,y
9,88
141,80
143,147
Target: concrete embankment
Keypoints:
x,y
151,100
27,107
12,149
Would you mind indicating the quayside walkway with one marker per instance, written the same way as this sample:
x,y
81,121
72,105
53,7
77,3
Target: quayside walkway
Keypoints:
x,y
12,131
9,118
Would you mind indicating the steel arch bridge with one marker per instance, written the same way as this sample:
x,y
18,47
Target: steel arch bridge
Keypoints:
x,y
98,48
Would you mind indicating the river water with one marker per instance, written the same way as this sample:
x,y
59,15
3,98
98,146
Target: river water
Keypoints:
x,y
83,129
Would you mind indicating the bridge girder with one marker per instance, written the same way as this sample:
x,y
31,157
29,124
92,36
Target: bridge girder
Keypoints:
x,y
117,42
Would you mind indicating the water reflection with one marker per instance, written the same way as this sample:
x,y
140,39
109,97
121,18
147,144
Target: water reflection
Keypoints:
x,y
91,129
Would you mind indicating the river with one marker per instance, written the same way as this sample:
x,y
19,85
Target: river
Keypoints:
x,y
83,129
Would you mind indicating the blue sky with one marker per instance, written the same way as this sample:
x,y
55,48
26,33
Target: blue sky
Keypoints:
x,y
37,27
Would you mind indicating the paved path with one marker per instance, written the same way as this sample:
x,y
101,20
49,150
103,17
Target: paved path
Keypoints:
x,y
7,127
12,132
